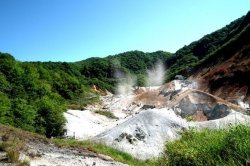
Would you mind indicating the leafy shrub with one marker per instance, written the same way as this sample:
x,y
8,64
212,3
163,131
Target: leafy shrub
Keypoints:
x,y
106,113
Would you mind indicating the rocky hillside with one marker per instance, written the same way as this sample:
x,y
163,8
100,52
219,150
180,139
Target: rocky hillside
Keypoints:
x,y
225,73
186,59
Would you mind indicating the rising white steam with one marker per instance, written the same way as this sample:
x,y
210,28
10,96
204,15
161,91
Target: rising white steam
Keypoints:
x,y
126,85
126,82
155,75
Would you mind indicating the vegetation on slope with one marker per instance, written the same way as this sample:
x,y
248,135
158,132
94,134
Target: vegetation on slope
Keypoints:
x,y
13,141
106,113
210,147
104,72
228,49
186,58
12,147
33,96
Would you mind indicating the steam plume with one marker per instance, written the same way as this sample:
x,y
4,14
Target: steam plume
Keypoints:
x,y
126,85
155,76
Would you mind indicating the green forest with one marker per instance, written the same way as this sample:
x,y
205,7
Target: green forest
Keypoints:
x,y
34,95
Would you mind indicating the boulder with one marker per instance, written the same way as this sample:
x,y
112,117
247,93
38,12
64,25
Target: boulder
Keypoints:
x,y
179,77
219,111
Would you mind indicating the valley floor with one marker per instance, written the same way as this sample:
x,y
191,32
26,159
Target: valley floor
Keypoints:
x,y
150,117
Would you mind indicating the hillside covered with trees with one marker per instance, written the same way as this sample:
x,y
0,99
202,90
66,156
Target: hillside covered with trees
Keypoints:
x,y
185,60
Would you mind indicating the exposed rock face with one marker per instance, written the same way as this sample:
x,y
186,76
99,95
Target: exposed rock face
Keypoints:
x,y
228,77
126,136
219,111
145,107
188,108
140,134
179,77
210,109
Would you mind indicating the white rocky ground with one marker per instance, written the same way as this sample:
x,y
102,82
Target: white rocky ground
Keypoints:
x,y
244,105
144,135
142,129
40,153
51,155
86,124
54,156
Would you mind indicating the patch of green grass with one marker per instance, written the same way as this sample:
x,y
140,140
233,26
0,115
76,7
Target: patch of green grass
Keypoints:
x,y
106,113
189,118
210,147
115,154
81,103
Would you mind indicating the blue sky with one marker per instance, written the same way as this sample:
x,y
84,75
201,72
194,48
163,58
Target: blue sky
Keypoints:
x,y
73,30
